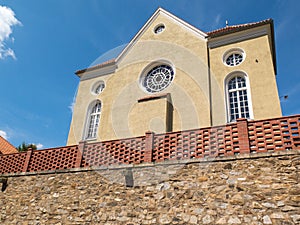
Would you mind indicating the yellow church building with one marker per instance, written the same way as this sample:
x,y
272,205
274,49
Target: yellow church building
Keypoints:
x,y
173,76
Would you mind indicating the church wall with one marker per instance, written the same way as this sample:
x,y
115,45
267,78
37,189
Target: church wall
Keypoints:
x,y
185,51
122,115
258,67
84,99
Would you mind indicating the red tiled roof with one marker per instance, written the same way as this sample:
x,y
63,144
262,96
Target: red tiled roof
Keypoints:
x,y
6,147
235,28
106,63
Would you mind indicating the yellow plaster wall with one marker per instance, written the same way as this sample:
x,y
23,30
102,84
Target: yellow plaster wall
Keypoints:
x,y
258,66
152,116
84,99
187,52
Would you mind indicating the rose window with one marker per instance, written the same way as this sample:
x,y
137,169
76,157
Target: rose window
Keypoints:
x,y
158,78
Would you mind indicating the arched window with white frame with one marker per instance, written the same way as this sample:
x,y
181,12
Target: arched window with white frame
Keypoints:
x,y
93,120
238,97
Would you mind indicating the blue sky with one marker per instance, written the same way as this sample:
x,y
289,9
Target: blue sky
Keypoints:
x,y
42,44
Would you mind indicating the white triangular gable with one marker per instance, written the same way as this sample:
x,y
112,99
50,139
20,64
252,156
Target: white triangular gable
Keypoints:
x,y
158,12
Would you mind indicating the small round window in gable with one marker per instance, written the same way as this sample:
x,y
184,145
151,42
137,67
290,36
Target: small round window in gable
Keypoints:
x,y
99,87
159,29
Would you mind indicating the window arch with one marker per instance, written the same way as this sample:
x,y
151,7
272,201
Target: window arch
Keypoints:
x,y
93,120
234,57
157,76
238,97
98,87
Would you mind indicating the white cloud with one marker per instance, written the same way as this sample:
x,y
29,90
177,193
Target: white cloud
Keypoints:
x,y
8,52
3,134
216,23
7,21
39,146
71,106
217,19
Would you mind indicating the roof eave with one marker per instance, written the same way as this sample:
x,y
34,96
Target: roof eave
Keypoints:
x,y
270,22
237,28
99,66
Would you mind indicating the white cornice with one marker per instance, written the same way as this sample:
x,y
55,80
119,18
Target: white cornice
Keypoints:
x,y
98,72
238,36
185,24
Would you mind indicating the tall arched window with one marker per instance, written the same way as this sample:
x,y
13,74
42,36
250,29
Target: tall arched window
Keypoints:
x,y
238,98
93,121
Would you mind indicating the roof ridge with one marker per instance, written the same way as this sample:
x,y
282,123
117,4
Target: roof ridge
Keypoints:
x,y
237,27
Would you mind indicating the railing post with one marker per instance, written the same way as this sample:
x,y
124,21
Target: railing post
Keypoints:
x,y
243,136
27,159
149,146
80,150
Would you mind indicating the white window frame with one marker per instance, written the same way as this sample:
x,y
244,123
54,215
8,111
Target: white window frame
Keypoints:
x,y
95,87
149,67
233,51
158,29
96,124
227,79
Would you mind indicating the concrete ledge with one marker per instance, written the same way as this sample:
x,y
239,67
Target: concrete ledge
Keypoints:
x,y
250,156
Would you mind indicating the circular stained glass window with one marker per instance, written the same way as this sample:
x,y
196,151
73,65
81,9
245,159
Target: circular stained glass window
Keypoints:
x,y
158,78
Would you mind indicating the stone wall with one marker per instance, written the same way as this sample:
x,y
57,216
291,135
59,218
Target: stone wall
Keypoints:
x,y
246,189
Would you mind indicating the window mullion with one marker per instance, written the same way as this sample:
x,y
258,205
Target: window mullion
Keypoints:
x,y
94,121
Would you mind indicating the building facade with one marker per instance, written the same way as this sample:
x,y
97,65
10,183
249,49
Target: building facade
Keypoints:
x,y
173,76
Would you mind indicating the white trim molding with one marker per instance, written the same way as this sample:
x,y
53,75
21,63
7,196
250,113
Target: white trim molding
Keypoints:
x,y
232,51
98,72
238,36
158,12
149,67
